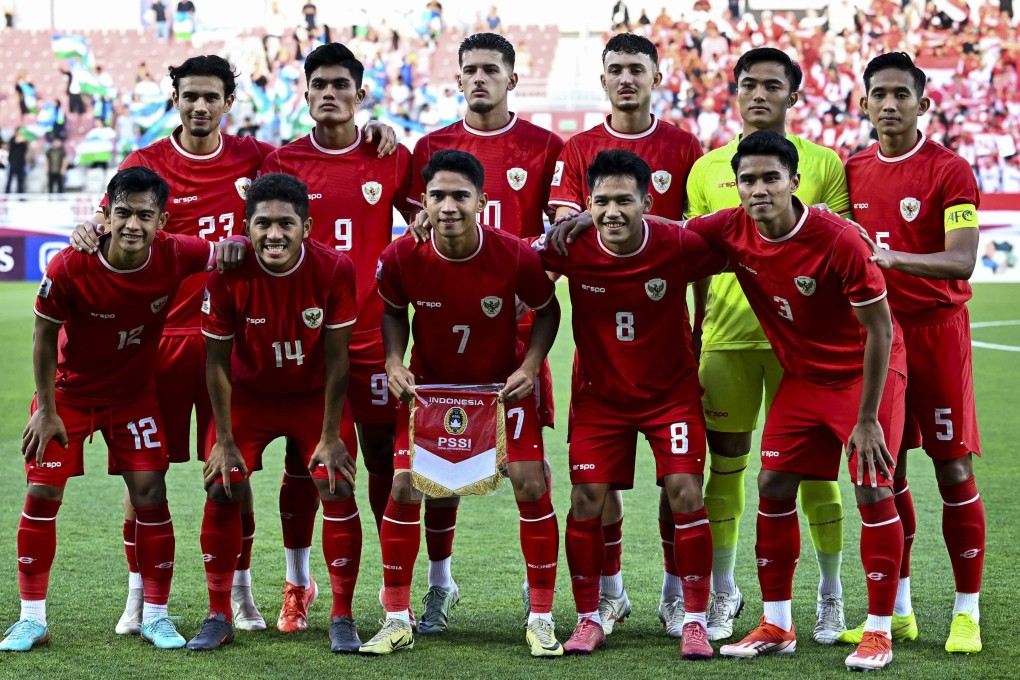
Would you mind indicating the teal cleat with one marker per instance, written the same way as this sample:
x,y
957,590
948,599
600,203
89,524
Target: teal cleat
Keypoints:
x,y
162,633
24,635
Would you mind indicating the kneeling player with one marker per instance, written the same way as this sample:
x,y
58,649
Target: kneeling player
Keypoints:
x,y
823,307
637,374
97,330
277,334
463,284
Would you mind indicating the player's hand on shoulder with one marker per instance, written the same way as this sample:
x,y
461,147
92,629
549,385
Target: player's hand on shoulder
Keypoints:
x,y
43,426
566,228
332,453
883,257
230,253
401,381
520,384
420,229
824,207
374,130
222,458
868,440
85,238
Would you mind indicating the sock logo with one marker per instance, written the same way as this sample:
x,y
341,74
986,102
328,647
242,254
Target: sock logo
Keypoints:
x,y
761,561
973,552
207,557
342,562
876,576
693,578
286,515
541,566
26,560
168,565
393,567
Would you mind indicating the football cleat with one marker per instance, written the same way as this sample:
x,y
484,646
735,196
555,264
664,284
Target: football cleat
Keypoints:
x,y
725,608
874,652
964,635
830,621
215,632
162,633
395,634
694,642
24,635
586,638
904,629
765,639
343,636
296,601
672,614
246,614
438,603
613,610
541,638
130,622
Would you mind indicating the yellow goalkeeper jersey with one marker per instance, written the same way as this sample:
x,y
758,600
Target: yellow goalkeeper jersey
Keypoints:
x,y
729,322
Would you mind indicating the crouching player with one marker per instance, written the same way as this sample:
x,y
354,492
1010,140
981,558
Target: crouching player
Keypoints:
x,y
97,329
463,284
277,332
628,289
823,307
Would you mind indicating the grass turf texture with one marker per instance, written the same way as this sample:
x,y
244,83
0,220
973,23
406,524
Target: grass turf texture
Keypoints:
x,y
487,635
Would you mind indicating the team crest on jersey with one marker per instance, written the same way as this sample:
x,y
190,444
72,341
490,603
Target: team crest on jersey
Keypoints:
x,y
242,184
661,181
158,305
656,289
44,287
372,191
491,306
806,285
909,208
455,420
312,317
557,174
517,177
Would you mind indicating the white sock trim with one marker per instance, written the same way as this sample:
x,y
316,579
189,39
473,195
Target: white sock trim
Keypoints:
x,y
339,519
693,524
781,514
882,524
951,505
395,521
539,519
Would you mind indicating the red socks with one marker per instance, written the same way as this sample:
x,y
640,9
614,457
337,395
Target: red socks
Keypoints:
x,y
881,552
401,540
37,544
221,545
666,531
963,526
154,541
586,553
129,545
440,522
341,546
612,534
247,539
777,547
908,518
692,552
299,501
540,543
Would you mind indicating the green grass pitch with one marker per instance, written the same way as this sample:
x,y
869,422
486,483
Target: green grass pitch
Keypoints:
x,y
487,637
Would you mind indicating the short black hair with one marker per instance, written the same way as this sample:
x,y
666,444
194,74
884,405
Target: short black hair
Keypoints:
x,y
452,160
767,143
206,65
277,186
488,41
897,60
617,162
629,43
760,55
138,180
334,54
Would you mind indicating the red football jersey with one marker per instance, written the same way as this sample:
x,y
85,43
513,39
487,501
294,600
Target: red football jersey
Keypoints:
x,y
277,319
902,202
629,317
112,319
667,149
206,200
519,161
803,287
352,195
464,327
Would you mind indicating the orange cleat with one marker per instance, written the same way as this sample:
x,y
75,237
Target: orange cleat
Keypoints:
x,y
296,601
767,638
874,652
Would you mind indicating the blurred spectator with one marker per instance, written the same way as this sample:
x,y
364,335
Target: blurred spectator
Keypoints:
x,y
249,129
9,14
663,22
17,162
56,166
493,22
643,20
159,13
309,11
620,17
26,93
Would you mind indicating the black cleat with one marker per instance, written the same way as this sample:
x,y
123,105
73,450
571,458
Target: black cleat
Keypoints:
x,y
216,631
343,636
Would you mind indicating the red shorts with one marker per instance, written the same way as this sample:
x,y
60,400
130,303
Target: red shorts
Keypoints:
x,y
258,419
809,424
940,397
180,388
523,434
132,430
603,436
368,392
543,384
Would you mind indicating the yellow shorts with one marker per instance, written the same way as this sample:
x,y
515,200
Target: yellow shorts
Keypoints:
x,y
734,382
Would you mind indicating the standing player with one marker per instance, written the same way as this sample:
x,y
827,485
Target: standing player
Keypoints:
x,y
737,360
918,202
630,73
628,289
459,340
97,329
277,331
520,161
822,305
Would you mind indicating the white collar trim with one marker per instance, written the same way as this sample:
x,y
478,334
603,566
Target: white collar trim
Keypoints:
x,y
289,271
194,156
481,240
638,135
334,152
897,159
644,242
490,133
792,232
125,271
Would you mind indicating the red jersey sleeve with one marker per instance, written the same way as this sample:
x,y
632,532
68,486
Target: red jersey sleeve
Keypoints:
x,y
391,290
419,160
551,260
863,282
193,254
53,300
270,164
553,154
534,288
402,197
343,309
709,227
218,318
566,189
700,258
959,186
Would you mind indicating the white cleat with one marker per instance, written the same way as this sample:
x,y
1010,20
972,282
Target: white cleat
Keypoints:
x,y
130,622
246,614
725,608
613,610
830,620
672,613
